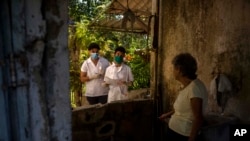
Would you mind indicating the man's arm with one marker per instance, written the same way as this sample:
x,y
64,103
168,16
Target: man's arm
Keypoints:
x,y
84,77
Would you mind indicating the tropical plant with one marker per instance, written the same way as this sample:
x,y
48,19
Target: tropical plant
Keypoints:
x,y
80,36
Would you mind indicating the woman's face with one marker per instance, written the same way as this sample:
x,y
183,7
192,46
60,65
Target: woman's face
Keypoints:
x,y
176,72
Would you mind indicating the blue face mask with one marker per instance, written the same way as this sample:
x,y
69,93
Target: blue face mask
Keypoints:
x,y
94,56
118,59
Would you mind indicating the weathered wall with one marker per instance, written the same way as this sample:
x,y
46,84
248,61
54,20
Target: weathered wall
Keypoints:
x,y
118,121
217,33
34,71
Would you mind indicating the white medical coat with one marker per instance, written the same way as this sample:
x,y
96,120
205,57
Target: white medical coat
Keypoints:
x,y
94,87
112,76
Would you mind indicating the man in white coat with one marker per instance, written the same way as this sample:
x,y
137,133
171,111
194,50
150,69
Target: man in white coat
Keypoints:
x,y
92,74
118,76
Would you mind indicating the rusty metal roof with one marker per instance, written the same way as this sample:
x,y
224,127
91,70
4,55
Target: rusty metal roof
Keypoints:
x,y
126,16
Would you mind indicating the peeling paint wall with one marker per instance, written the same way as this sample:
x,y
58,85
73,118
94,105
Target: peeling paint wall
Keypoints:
x,y
217,33
57,70
34,71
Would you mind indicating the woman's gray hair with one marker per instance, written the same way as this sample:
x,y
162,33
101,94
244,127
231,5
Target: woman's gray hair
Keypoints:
x,y
187,65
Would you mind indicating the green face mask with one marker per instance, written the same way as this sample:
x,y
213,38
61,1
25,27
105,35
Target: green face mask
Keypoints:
x,y
118,59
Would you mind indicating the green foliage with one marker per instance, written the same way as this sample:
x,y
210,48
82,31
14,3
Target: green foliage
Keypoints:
x,y
138,49
140,70
86,9
80,36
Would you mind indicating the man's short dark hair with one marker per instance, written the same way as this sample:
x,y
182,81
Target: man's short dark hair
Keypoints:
x,y
93,45
121,49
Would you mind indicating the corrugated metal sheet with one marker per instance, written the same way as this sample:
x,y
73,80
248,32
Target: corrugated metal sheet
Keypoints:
x,y
126,16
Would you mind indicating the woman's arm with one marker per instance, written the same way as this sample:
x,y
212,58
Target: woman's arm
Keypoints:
x,y
166,115
196,105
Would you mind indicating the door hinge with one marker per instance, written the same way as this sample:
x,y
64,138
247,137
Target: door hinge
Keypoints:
x,y
17,69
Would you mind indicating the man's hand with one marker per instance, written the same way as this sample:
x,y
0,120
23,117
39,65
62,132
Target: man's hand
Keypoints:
x,y
104,84
119,82
95,76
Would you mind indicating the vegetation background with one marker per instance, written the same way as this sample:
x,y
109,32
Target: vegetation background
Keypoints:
x,y
82,13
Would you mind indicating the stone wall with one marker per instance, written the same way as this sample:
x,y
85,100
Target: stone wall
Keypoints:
x,y
118,121
217,33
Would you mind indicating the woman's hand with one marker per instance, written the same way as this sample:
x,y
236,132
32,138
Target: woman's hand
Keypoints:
x,y
166,115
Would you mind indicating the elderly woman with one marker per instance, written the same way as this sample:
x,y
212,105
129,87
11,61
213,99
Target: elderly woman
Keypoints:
x,y
187,116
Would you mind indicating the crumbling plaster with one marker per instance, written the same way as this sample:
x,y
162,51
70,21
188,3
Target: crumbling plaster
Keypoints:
x,y
215,32
36,77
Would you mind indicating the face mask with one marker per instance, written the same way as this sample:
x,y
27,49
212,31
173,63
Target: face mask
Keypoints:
x,y
118,59
94,56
